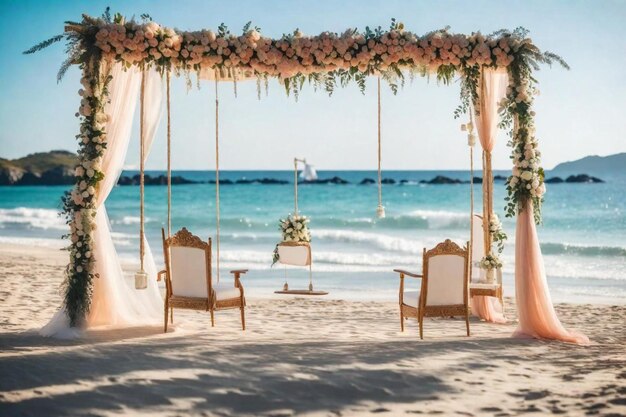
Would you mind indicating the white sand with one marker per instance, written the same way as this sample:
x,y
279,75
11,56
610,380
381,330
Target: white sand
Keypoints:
x,y
298,356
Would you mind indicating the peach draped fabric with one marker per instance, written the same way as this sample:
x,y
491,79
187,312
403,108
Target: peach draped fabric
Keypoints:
x,y
488,308
537,317
492,90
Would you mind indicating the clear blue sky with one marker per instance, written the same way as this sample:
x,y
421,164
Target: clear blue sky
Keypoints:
x,y
579,112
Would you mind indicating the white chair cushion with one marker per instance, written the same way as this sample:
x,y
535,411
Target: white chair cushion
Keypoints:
x,y
294,255
225,291
188,272
446,274
411,298
484,286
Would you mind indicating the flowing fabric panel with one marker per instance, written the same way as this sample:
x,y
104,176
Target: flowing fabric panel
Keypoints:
x,y
537,317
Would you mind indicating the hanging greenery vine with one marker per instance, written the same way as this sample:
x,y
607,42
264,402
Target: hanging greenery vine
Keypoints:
x,y
325,61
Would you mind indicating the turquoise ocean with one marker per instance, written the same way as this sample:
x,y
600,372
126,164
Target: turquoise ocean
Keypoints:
x,y
583,235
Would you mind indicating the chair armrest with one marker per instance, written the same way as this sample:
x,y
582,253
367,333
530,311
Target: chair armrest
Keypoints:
x,y
407,273
237,273
162,272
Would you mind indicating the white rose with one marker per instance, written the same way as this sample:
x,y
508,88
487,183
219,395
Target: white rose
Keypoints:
x,y
527,175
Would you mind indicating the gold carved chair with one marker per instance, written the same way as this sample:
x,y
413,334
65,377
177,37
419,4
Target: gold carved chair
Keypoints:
x,y
444,286
188,278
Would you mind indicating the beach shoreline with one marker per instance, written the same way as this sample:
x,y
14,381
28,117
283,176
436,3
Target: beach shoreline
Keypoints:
x,y
304,356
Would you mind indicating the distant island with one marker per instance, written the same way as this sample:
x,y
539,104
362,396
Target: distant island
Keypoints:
x,y
42,168
57,168
595,165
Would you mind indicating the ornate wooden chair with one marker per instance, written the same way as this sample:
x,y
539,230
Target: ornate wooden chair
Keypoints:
x,y
188,278
444,286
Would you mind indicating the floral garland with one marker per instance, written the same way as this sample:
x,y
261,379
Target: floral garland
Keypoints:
x,y
80,203
497,232
326,60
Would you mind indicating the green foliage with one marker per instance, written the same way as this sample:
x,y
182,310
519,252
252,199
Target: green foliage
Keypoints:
x,y
44,44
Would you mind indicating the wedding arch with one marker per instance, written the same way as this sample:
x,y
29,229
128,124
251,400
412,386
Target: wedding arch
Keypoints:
x,y
118,57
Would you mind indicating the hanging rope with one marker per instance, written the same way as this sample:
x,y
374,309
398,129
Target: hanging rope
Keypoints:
x,y
471,141
141,171
487,177
471,145
217,180
295,185
169,159
380,210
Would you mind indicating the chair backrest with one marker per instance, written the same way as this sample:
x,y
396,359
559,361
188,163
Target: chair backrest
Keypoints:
x,y
291,253
188,264
447,275
478,248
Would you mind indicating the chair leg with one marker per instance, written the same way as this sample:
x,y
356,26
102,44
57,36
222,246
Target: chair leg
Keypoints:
x,y
165,321
467,322
243,318
401,321
212,318
421,322
172,315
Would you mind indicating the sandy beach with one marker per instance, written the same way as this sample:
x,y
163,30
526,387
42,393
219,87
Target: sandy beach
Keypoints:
x,y
299,356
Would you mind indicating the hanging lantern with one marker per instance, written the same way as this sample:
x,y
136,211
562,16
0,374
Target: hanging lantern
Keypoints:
x,y
380,211
471,139
141,280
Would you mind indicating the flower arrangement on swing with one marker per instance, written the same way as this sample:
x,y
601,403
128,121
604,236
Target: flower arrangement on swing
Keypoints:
x,y
294,228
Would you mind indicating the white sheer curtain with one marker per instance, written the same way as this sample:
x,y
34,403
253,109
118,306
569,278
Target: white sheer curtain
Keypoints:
x,y
115,301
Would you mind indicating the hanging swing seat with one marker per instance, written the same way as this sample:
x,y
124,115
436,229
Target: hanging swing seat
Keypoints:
x,y
478,285
297,254
301,292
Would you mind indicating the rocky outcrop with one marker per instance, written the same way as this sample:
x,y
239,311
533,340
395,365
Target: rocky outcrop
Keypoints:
x,y
43,168
367,181
263,181
583,178
440,179
333,180
148,180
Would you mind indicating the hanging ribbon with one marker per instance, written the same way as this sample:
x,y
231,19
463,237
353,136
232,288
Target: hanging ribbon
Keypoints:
x,y
380,210
217,179
169,160
141,171
295,185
